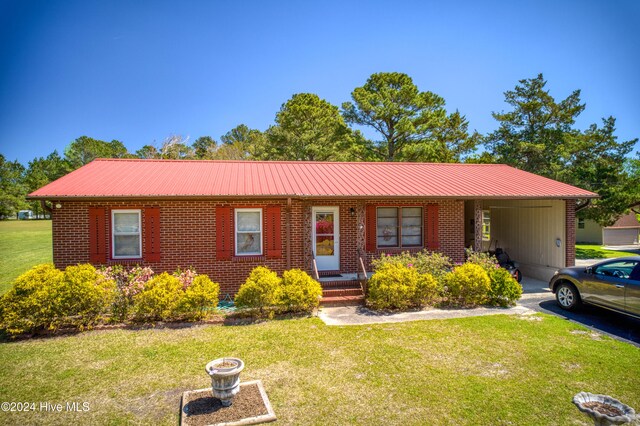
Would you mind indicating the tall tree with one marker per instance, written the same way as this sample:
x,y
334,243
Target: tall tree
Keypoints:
x,y
242,143
12,188
85,149
204,148
176,147
413,125
538,136
148,152
309,128
42,171
532,135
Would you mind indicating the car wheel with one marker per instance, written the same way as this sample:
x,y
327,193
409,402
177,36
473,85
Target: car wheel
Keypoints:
x,y
518,275
567,296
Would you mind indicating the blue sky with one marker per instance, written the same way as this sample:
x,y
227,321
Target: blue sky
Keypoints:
x,y
138,71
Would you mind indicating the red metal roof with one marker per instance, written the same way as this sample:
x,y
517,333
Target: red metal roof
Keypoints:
x,y
125,178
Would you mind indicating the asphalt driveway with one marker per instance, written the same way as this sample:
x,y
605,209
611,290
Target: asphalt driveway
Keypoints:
x,y
538,297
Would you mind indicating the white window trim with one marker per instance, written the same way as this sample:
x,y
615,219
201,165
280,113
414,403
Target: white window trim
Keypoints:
x,y
235,232
113,233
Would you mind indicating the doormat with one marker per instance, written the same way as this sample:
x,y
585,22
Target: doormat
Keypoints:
x,y
250,406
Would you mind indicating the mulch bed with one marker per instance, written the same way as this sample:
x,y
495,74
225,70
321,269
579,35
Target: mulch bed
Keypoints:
x,y
200,408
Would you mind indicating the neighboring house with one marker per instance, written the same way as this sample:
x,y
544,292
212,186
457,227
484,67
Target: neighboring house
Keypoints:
x,y
625,232
225,217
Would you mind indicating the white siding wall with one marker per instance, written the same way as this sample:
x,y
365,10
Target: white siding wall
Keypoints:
x,y
527,230
591,233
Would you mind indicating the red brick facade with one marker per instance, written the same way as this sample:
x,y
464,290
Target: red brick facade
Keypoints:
x,y
188,234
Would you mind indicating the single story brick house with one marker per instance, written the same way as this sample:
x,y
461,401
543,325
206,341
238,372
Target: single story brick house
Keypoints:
x,y
226,217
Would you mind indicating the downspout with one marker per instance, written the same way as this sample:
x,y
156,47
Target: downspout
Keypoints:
x,y
288,229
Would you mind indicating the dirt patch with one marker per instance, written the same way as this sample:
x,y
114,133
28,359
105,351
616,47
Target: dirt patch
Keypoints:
x,y
592,334
200,408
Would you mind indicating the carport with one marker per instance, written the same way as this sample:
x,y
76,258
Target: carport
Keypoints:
x,y
539,234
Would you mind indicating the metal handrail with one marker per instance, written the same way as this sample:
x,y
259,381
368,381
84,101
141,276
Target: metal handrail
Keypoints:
x,y
315,266
363,270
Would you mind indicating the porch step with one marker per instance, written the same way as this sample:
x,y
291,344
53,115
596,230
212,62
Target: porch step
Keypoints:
x,y
342,300
339,284
337,292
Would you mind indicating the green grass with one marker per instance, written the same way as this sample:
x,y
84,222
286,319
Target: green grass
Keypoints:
x,y
23,244
477,371
585,251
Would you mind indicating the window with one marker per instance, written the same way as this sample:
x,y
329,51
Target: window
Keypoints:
x,y
580,223
126,234
399,226
619,268
486,225
248,232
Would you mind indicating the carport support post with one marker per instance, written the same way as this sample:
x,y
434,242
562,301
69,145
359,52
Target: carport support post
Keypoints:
x,y
477,225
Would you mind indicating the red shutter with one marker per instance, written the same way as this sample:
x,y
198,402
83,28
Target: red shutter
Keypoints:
x,y
272,235
224,233
152,234
371,228
97,243
431,227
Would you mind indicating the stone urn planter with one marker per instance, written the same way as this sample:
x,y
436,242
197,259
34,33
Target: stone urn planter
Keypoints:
x,y
225,378
603,409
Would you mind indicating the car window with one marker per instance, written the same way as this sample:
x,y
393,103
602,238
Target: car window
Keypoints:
x,y
635,275
618,269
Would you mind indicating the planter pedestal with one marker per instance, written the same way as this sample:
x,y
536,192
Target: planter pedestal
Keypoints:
x,y
225,378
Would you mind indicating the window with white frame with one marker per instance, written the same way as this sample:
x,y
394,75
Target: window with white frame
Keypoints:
x,y
126,234
248,223
399,227
580,223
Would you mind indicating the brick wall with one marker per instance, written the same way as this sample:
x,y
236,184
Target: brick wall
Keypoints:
x,y
188,235
570,232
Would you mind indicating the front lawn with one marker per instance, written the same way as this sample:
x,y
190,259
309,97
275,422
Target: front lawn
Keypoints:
x,y
584,251
482,370
23,244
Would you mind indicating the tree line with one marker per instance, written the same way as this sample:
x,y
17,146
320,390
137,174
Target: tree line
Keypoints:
x,y
537,133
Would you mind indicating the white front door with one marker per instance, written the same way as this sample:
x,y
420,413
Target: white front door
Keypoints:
x,y
326,237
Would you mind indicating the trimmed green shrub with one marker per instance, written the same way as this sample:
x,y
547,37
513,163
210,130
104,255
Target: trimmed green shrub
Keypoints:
x,y
396,286
505,290
46,298
467,285
28,305
425,262
201,294
260,290
159,298
299,292
82,296
427,290
486,260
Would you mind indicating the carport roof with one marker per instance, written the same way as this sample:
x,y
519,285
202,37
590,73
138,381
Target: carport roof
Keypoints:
x,y
133,178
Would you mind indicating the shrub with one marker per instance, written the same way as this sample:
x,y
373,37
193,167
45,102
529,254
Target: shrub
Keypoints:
x,y
83,295
468,285
46,298
201,294
505,290
487,261
185,277
425,262
259,290
28,305
299,292
396,286
159,299
129,282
